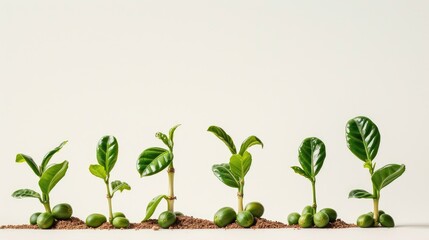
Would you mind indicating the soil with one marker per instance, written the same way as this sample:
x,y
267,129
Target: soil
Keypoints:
x,y
183,222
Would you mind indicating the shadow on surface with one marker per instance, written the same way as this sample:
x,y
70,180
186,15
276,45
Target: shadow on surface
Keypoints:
x,y
413,226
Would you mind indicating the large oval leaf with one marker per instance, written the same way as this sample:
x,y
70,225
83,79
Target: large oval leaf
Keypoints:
x,y
250,141
29,160
107,152
224,174
224,137
52,176
25,193
387,174
363,138
49,155
153,160
311,156
240,165
150,209
360,193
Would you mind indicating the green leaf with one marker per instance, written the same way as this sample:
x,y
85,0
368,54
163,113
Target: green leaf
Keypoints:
x,y
119,186
240,165
360,193
250,141
163,138
98,171
222,135
363,138
299,171
171,134
224,174
107,152
26,193
52,176
387,174
311,156
153,160
24,158
49,155
150,209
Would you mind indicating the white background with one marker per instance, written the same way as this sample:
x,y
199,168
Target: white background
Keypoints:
x,y
281,70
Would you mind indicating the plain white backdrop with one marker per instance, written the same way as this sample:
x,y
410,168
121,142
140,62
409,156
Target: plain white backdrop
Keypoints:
x,y
280,70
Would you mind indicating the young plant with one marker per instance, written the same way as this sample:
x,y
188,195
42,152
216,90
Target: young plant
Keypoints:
x,y
49,176
363,140
152,161
233,173
311,155
107,156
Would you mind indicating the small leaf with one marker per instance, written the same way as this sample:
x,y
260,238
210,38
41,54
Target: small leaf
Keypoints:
x,y
240,165
387,174
363,138
224,174
222,135
49,155
150,209
52,176
26,193
107,152
360,193
171,134
311,156
98,171
250,141
119,186
299,171
24,158
163,138
153,160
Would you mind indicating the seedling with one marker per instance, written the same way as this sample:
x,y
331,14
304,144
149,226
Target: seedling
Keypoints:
x,y
363,140
152,161
49,176
107,155
311,155
233,173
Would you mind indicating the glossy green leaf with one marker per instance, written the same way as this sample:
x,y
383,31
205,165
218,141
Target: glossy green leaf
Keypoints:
x,y
171,134
224,174
387,174
49,155
119,186
163,138
98,171
24,158
311,156
360,193
150,209
26,193
107,152
300,171
250,141
363,138
224,137
240,165
153,160
52,176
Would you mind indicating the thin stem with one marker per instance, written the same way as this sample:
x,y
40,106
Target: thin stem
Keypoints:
x,y
240,196
313,185
171,197
109,200
376,194
376,211
46,202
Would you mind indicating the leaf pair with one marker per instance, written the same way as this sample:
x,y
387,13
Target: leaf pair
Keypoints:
x,y
153,160
312,153
380,179
239,164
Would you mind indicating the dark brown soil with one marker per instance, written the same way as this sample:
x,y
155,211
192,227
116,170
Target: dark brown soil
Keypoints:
x,y
183,222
